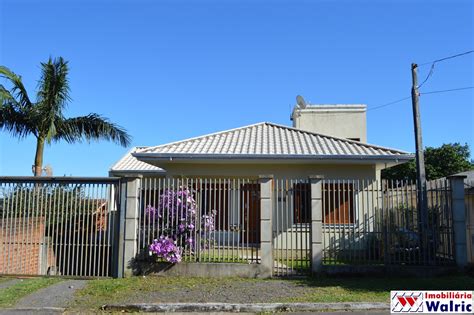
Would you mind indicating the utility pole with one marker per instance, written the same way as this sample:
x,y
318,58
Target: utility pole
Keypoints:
x,y
420,166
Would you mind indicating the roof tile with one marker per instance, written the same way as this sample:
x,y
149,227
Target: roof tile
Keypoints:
x,y
269,139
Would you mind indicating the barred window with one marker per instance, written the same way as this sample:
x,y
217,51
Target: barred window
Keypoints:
x,y
338,203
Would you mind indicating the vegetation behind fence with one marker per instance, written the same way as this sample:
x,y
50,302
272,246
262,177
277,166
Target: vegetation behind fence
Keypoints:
x,y
57,226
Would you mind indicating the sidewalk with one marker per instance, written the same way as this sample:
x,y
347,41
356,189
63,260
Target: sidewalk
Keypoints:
x,y
245,308
52,299
216,295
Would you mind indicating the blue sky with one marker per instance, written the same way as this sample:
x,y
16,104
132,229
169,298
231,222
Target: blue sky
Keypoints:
x,y
168,70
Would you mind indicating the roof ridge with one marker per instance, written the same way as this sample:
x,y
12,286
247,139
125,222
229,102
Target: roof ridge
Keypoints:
x,y
204,136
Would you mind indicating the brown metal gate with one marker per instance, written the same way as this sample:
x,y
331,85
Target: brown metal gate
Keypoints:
x,y
58,226
291,227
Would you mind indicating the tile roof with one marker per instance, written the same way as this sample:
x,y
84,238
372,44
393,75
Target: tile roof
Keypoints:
x,y
129,163
272,141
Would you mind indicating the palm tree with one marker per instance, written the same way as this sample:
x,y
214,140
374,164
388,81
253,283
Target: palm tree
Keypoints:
x,y
45,118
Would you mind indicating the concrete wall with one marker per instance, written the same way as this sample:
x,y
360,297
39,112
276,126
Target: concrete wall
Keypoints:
x,y
344,121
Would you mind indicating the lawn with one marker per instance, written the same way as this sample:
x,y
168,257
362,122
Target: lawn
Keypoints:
x,y
237,290
9,296
372,289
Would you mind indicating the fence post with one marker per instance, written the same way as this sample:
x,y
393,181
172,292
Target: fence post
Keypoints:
x,y
459,219
128,226
316,222
266,227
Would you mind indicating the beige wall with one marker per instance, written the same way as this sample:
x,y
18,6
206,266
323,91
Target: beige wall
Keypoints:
x,y
331,171
343,121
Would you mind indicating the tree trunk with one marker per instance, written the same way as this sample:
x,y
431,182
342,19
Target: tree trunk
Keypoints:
x,y
38,167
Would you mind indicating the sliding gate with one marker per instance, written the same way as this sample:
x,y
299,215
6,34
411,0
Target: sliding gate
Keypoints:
x,y
58,226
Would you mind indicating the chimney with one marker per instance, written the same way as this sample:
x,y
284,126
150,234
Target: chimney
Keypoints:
x,y
344,121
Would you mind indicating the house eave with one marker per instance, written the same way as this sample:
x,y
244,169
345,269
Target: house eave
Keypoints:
x,y
276,158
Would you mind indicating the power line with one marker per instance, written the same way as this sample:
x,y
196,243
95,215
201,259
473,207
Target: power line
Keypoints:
x,y
433,63
421,93
428,76
450,90
388,104
446,58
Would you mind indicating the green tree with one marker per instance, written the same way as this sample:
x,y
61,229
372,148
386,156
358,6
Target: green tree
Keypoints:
x,y
446,160
45,118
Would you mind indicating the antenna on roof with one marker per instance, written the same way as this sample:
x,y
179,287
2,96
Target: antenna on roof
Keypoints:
x,y
300,101
47,171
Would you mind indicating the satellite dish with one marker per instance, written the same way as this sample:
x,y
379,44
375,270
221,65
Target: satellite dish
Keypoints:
x,y
300,101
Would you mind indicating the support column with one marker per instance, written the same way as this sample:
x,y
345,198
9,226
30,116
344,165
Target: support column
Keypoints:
x,y
316,223
266,228
459,219
128,236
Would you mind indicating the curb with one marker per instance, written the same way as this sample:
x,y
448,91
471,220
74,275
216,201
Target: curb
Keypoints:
x,y
32,310
246,308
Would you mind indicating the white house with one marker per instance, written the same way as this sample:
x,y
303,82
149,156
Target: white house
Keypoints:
x,y
327,140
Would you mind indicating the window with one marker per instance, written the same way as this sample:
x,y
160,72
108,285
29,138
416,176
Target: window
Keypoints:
x,y
338,203
302,203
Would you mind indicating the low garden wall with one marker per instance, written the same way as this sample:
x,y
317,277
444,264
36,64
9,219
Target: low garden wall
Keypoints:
x,y
213,270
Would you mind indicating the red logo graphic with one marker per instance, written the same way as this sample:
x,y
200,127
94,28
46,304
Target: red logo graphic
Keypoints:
x,y
407,299
407,302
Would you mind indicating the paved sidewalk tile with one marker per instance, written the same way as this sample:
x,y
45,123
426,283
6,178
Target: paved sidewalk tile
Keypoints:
x,y
56,295
9,283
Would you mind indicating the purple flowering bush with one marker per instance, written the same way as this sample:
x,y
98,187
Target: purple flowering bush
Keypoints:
x,y
175,221
166,248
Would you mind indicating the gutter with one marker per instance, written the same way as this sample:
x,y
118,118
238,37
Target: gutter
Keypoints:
x,y
282,157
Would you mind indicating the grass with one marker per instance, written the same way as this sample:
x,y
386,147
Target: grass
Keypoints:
x,y
372,289
223,258
9,296
110,291
317,289
223,255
